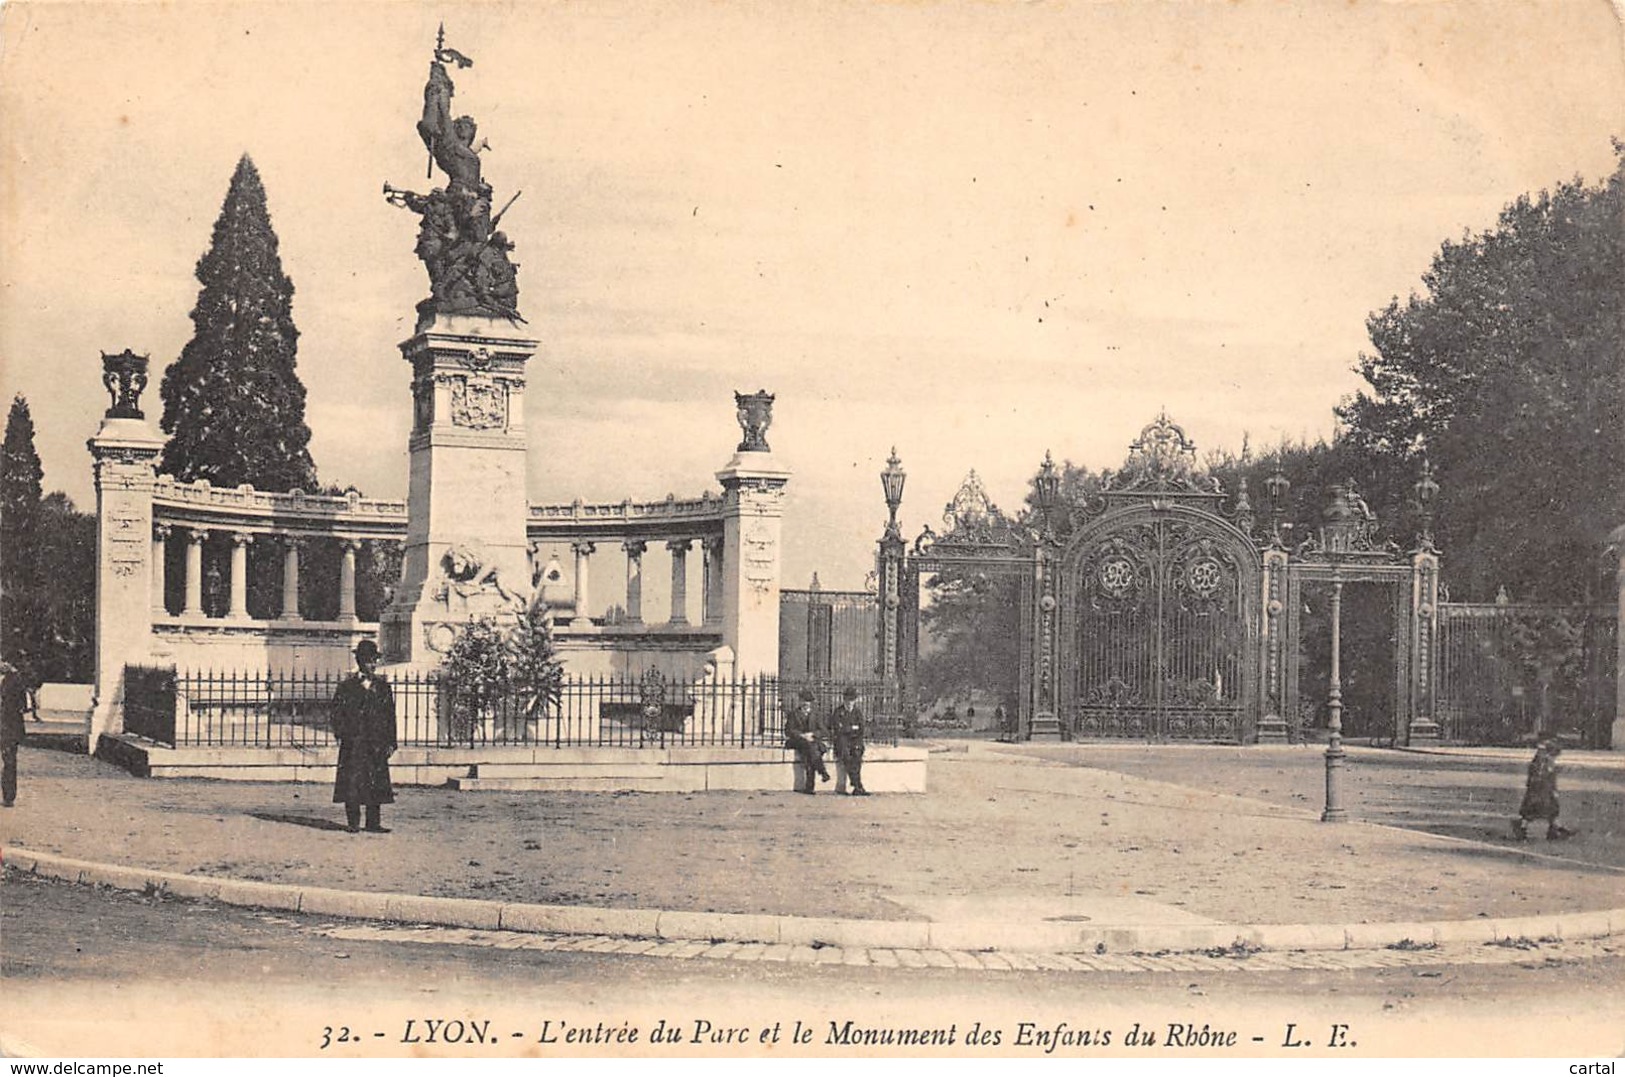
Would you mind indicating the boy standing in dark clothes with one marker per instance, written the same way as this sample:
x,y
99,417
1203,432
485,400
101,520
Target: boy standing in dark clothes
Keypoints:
x,y
1540,794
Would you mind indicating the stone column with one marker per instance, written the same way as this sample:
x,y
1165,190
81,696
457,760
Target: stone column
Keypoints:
x,y
290,578
240,542
711,584
635,549
194,572
583,551
752,520
160,538
125,454
348,547
679,580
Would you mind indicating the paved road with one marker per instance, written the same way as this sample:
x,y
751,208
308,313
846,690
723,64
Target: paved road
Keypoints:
x,y
120,974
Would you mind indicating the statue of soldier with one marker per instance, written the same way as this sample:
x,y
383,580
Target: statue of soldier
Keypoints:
x,y
847,723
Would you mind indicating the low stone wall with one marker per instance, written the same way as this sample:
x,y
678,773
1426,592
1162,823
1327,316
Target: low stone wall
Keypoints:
x,y
645,770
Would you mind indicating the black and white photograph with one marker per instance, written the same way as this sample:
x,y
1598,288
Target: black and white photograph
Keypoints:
x,y
855,530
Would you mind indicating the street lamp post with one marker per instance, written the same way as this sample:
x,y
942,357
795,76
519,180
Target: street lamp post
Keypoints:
x,y
889,572
1278,486
891,481
1047,486
1335,756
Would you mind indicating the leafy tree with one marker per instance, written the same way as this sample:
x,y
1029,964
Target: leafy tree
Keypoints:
x,y
233,403
67,590
21,628
1506,373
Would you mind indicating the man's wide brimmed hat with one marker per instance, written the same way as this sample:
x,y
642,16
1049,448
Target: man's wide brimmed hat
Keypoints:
x,y
366,649
807,695
850,693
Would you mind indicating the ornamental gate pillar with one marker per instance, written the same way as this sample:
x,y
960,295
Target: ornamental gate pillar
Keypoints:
x,y
125,453
1272,724
753,485
1420,723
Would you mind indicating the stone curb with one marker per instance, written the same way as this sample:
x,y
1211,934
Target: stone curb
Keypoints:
x,y
906,935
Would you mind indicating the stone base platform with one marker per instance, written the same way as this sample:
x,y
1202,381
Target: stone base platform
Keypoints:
x,y
518,767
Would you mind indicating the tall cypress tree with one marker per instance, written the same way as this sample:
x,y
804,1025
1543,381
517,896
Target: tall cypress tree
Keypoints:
x,y
233,404
20,494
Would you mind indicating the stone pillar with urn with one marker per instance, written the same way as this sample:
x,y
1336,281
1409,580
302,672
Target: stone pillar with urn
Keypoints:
x,y
125,453
753,492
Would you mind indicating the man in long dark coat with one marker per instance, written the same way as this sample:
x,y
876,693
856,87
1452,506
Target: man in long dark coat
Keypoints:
x,y
14,689
364,723
847,724
801,735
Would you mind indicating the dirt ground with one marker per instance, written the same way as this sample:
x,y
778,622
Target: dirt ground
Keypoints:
x,y
1160,824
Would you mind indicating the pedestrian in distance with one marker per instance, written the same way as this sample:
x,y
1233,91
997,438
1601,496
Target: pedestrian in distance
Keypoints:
x,y
15,685
802,735
1540,793
847,723
364,724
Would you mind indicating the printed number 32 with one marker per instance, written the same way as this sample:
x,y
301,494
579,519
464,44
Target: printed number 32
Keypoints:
x,y
329,1037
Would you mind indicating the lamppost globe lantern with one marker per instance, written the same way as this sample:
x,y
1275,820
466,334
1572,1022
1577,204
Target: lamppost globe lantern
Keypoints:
x,y
1278,486
891,481
1426,491
1047,484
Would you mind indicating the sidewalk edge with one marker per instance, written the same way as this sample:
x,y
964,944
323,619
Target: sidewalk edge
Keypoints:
x,y
811,931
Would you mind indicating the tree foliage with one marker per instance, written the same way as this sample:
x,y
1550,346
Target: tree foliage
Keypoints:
x,y
1506,373
233,403
20,498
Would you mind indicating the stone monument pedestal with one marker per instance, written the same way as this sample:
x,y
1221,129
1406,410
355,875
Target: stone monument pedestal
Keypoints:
x,y
466,554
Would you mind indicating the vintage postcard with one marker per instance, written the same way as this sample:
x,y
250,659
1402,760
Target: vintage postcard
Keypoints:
x,y
831,530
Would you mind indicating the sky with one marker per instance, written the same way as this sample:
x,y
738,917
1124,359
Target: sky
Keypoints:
x,y
975,231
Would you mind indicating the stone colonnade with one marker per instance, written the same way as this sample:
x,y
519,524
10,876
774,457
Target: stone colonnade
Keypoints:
x,y
293,546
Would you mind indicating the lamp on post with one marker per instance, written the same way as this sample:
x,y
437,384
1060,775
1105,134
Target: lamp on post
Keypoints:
x,y
889,572
891,481
1047,486
1426,491
1278,486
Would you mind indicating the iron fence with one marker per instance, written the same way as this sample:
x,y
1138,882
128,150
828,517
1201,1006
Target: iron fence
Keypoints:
x,y
293,709
1506,672
149,702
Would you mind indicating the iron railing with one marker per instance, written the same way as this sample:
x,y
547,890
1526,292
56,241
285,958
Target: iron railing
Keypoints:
x,y
149,702
1503,670
293,709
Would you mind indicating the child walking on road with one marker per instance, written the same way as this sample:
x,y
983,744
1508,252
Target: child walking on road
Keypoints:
x,y
1540,793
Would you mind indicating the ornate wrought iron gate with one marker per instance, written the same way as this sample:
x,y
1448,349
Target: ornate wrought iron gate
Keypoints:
x,y
1160,635
1152,612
